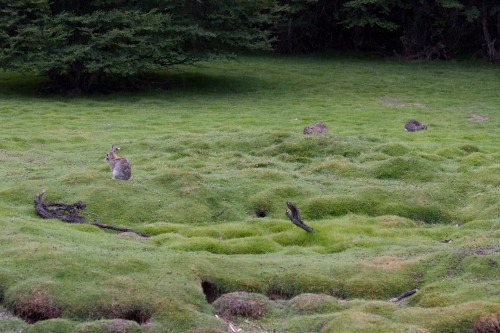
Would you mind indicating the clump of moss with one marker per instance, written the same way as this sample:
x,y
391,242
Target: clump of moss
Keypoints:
x,y
468,148
394,149
13,325
430,213
476,159
404,168
323,206
318,146
356,321
338,166
110,326
58,325
305,304
251,245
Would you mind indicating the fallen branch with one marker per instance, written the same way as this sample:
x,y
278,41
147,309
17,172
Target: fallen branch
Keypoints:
x,y
112,227
294,217
404,295
71,214
63,212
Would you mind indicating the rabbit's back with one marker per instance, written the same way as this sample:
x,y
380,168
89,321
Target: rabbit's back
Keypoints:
x,y
315,128
414,125
121,169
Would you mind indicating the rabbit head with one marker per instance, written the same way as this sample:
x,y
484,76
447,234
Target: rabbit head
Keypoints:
x,y
111,154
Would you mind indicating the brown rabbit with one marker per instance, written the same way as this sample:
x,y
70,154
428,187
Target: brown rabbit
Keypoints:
x,y
315,128
412,125
120,167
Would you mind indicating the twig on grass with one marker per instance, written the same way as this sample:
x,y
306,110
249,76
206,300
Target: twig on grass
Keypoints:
x,y
404,295
220,213
112,227
71,214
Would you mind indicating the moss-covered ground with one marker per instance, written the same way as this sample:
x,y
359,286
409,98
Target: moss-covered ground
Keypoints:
x,y
214,159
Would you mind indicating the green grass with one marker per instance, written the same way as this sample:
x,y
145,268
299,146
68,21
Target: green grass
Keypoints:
x,y
224,145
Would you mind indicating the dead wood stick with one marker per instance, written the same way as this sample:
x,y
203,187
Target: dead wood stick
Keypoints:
x,y
112,227
294,216
63,212
71,214
404,295
220,213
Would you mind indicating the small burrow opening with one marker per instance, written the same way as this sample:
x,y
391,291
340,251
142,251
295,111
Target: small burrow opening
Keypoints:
x,y
277,294
261,212
210,290
139,314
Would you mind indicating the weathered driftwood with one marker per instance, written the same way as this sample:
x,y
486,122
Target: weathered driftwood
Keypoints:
x,y
294,217
71,214
404,295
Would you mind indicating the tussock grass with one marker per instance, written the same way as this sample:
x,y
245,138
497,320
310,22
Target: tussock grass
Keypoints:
x,y
214,159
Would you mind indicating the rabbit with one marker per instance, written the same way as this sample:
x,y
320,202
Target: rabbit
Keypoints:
x,y
413,125
315,128
120,167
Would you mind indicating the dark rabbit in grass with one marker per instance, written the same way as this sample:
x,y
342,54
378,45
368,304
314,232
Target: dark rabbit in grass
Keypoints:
x,y
315,128
412,125
120,167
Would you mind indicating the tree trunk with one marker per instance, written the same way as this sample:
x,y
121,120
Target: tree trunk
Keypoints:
x,y
491,50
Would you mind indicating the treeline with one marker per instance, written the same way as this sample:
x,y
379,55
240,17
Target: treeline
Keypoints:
x,y
75,43
416,29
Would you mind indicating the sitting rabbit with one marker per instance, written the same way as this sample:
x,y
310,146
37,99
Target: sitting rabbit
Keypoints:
x,y
412,125
119,166
315,128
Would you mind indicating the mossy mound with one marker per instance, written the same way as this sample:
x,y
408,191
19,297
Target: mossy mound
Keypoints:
x,y
242,304
304,304
111,326
394,149
57,325
412,169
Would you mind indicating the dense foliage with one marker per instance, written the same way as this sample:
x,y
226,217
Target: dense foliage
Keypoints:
x,y
423,29
74,42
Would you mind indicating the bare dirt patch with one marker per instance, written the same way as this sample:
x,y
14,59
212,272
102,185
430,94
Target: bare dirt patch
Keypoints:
x,y
398,102
386,262
477,118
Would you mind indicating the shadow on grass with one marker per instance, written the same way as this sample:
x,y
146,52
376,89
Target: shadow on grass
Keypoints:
x,y
14,85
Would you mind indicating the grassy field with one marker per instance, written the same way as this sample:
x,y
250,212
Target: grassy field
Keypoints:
x,y
214,158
